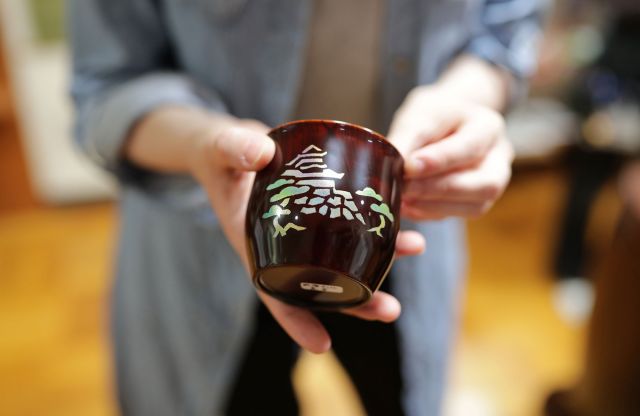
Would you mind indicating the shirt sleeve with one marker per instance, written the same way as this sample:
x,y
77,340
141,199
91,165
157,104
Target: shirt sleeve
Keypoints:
x,y
506,34
123,68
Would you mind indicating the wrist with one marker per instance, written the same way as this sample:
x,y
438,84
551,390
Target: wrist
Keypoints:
x,y
167,139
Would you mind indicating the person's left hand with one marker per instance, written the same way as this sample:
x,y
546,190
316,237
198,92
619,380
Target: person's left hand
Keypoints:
x,y
457,157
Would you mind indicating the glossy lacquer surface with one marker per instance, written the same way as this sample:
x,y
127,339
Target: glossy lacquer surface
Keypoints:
x,y
323,216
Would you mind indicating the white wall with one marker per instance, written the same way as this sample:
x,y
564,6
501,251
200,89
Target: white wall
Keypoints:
x,y
39,74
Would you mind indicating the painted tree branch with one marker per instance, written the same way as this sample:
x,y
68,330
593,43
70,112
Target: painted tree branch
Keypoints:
x,y
282,231
379,227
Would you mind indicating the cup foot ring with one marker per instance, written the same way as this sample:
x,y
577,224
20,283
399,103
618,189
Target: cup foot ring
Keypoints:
x,y
312,287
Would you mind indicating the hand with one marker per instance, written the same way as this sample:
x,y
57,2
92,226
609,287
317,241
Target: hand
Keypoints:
x,y
224,160
457,157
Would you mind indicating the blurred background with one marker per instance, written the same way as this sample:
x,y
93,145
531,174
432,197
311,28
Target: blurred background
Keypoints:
x,y
525,320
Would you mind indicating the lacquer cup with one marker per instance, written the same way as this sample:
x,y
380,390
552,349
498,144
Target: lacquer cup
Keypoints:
x,y
324,215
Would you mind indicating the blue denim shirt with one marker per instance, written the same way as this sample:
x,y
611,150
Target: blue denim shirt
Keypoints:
x,y
182,305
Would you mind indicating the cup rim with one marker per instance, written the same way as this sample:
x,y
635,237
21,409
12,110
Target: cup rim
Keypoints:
x,y
379,138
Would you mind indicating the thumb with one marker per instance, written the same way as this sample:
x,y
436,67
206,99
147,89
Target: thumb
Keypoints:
x,y
244,149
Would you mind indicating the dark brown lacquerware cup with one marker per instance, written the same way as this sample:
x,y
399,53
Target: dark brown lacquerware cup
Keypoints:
x,y
323,216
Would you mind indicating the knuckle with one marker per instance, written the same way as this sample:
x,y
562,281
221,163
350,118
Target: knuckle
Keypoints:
x,y
418,94
497,121
508,149
493,122
216,146
230,146
234,134
238,140
225,137
426,132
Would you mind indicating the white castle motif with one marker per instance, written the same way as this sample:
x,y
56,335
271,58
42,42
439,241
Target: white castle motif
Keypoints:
x,y
309,187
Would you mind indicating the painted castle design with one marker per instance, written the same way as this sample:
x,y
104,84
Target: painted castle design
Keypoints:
x,y
308,187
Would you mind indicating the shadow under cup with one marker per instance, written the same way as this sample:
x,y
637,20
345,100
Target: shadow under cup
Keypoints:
x,y
323,216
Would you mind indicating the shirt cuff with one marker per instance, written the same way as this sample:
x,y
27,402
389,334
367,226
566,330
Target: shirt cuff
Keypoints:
x,y
518,58
108,119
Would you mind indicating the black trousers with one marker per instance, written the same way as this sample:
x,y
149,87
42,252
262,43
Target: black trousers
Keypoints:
x,y
367,350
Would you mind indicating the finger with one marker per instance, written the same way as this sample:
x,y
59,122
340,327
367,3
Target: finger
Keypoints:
x,y
301,325
382,307
465,147
410,132
437,210
468,186
485,182
409,243
242,148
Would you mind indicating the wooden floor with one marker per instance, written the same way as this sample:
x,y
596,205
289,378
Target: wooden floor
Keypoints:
x,y
511,350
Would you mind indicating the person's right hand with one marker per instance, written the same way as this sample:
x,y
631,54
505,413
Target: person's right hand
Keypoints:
x,y
224,159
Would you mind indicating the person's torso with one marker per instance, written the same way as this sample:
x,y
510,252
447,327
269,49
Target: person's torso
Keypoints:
x,y
253,52
342,62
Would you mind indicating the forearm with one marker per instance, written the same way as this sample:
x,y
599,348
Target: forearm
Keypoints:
x,y
478,81
166,139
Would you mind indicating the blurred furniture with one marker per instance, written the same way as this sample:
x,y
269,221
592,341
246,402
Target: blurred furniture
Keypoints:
x,y
590,171
610,385
15,191
606,98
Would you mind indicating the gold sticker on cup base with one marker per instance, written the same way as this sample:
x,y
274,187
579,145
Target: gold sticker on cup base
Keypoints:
x,y
318,287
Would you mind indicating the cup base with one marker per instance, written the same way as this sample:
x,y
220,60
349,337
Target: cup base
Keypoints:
x,y
312,287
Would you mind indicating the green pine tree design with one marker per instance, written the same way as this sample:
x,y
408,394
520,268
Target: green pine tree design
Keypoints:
x,y
308,187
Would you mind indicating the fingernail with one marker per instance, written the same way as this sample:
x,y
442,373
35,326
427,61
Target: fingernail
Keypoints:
x,y
258,152
391,311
